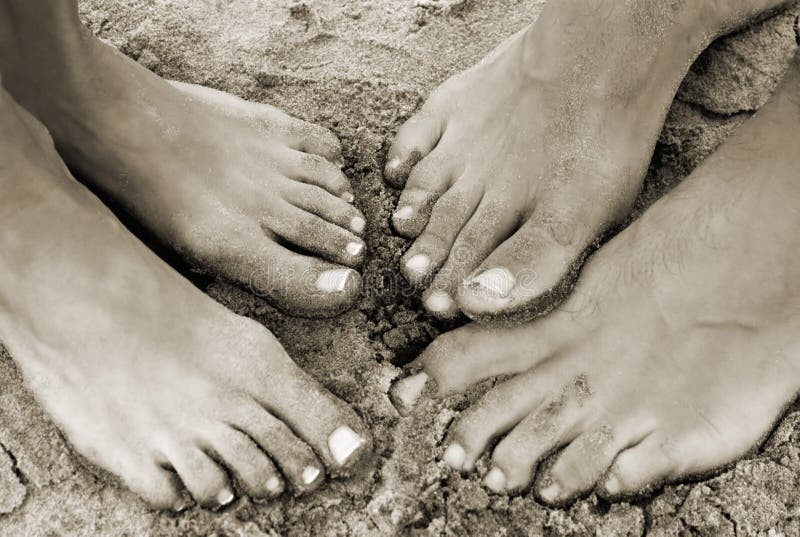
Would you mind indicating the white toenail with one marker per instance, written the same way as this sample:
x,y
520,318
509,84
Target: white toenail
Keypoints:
x,y
455,456
495,480
333,281
612,484
419,263
394,163
348,197
439,302
343,442
498,282
273,484
357,224
405,392
404,213
181,505
354,248
551,492
310,474
224,497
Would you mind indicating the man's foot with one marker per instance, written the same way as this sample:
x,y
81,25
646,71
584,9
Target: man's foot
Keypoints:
x,y
149,378
678,350
241,189
519,164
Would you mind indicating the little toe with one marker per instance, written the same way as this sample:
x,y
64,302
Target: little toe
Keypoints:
x,y
316,235
159,487
295,458
428,181
335,210
532,264
318,171
252,467
317,140
414,140
203,478
487,228
434,245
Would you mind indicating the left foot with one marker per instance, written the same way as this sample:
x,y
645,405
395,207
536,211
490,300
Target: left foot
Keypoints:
x,y
677,351
240,189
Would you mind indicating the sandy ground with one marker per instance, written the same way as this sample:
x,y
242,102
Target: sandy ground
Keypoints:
x,y
361,67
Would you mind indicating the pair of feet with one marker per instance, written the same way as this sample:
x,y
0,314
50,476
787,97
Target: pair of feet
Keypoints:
x,y
678,347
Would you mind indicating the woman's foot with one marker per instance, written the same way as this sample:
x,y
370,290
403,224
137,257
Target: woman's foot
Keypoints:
x,y
519,164
149,378
241,189
678,350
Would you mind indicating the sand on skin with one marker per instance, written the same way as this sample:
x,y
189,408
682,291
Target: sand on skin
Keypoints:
x,y
361,67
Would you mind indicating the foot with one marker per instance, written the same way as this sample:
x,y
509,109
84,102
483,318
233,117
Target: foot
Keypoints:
x,y
675,355
513,168
147,377
241,189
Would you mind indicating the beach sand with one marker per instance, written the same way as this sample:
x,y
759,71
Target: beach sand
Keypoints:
x,y
361,67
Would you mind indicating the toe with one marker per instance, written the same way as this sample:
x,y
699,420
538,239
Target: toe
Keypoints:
x,y
295,458
530,265
636,470
428,181
317,140
159,487
414,140
202,477
433,247
318,171
316,235
295,283
490,225
331,208
582,464
253,469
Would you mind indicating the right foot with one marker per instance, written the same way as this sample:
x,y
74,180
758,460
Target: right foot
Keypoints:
x,y
513,168
147,377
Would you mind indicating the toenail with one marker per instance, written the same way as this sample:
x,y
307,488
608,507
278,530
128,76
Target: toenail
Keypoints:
x,y
393,164
274,485
354,248
612,485
182,504
419,263
405,392
454,456
551,492
497,282
348,197
224,497
310,474
357,224
404,213
343,442
333,281
439,302
495,480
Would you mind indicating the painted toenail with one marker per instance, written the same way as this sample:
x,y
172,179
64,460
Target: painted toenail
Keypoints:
x,y
404,213
495,480
274,484
310,474
333,281
405,392
343,442
348,197
354,248
439,302
551,492
419,263
612,485
224,497
357,224
454,456
497,282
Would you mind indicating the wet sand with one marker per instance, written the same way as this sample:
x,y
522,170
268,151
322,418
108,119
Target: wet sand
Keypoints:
x,y
361,67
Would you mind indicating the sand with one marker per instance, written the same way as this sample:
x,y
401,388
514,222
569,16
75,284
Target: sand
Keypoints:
x,y
361,67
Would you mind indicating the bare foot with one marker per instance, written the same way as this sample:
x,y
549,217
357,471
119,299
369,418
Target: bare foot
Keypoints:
x,y
518,164
238,188
678,350
149,378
